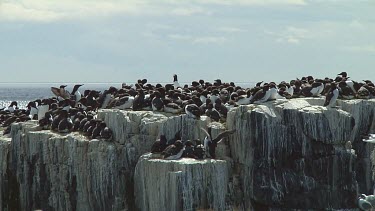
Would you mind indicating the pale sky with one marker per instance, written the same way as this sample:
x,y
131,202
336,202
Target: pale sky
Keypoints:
x,y
235,40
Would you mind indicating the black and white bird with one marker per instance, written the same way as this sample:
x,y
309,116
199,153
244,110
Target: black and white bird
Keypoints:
x,y
210,144
262,95
105,133
124,102
369,138
199,150
172,108
32,110
42,109
215,94
369,198
46,121
157,103
96,131
317,88
107,97
176,85
76,95
313,90
363,203
212,113
65,124
332,96
345,91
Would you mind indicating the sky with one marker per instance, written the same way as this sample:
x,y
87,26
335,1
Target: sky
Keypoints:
x,y
45,41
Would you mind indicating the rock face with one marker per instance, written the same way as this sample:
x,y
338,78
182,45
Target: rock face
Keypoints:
x,y
185,184
291,155
283,155
54,172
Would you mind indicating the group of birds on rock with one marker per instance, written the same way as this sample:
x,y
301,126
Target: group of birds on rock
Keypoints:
x,y
216,99
12,114
64,113
199,98
174,149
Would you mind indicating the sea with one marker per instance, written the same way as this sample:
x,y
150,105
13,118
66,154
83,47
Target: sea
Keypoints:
x,y
23,93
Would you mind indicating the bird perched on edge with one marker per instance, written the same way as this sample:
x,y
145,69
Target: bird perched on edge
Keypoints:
x,y
210,144
369,138
332,96
366,202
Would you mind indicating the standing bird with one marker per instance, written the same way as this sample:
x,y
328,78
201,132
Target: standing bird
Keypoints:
x,y
96,131
289,89
297,87
258,84
221,109
46,121
175,82
139,100
56,120
345,91
214,96
212,113
318,87
157,103
211,144
105,133
76,95
32,110
199,150
332,95
43,109
65,125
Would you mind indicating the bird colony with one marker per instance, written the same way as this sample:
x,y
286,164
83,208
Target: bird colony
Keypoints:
x,y
75,112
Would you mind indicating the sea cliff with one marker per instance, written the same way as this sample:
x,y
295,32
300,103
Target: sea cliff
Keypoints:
x,y
285,154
